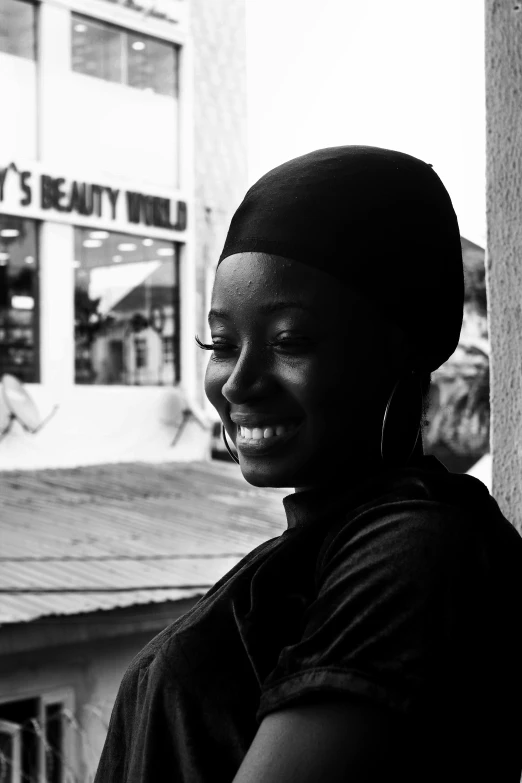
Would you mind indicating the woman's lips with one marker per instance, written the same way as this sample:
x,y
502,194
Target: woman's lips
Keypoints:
x,y
265,439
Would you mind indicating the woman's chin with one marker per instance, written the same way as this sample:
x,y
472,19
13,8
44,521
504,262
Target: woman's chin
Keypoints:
x,y
258,479
266,475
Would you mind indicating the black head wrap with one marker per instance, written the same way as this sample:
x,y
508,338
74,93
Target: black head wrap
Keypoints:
x,y
379,221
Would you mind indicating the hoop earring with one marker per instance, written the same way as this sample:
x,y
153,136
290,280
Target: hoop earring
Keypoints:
x,y
396,446
225,441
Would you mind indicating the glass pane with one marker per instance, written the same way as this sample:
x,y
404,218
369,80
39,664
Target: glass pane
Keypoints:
x,y
18,298
125,300
96,49
18,28
152,64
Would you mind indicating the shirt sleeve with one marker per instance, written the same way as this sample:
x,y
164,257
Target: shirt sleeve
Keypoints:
x,y
390,605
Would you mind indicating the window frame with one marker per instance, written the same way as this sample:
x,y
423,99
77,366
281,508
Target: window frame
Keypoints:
x,y
125,33
175,301
64,696
13,730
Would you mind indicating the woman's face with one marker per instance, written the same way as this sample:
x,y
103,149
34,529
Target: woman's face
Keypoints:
x,y
300,373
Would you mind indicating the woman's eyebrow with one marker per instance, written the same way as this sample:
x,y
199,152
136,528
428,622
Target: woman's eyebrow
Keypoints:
x,y
271,307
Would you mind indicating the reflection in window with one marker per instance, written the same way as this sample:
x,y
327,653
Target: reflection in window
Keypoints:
x,y
151,64
18,298
97,50
18,28
126,309
122,56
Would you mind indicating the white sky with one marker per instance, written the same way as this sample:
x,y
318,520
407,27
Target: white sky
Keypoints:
x,y
403,74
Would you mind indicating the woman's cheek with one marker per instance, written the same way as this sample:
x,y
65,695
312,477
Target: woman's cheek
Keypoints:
x,y
215,378
323,380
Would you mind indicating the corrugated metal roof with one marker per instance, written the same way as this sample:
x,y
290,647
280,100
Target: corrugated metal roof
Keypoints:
x,y
100,537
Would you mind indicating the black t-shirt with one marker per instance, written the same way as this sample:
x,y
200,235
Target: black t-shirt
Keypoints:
x,y
404,592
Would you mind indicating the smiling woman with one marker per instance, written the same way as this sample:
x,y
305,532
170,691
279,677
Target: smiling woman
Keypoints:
x,y
350,646
302,368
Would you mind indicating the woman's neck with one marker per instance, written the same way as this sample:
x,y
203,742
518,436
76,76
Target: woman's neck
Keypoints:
x,y
340,479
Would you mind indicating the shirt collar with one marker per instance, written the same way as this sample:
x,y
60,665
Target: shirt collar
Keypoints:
x,y
312,505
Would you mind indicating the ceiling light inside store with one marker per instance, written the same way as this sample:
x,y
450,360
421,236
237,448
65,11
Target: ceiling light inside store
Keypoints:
x,y
148,242
92,243
29,259
126,247
165,251
80,28
117,259
22,302
138,46
9,232
98,234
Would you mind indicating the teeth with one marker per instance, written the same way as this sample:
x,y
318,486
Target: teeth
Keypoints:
x,y
258,433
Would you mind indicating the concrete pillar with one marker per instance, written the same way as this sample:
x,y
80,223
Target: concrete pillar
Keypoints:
x,y
190,381
54,64
56,306
504,247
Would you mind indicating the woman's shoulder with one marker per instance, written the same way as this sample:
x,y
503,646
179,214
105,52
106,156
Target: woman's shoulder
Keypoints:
x,y
155,664
148,665
424,505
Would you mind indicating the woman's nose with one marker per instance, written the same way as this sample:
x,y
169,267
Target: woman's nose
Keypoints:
x,y
246,380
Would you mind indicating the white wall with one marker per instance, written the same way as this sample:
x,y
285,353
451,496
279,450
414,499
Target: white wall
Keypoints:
x,y
116,130
95,425
18,112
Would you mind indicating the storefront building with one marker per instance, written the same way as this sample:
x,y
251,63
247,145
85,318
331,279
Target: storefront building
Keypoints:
x,y
122,157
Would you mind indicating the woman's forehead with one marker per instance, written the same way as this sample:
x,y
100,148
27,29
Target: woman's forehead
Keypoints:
x,y
258,280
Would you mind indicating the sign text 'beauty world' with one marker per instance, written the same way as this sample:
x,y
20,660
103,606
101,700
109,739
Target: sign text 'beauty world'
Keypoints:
x,y
90,199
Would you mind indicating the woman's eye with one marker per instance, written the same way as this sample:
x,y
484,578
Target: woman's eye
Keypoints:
x,y
217,346
292,344
220,347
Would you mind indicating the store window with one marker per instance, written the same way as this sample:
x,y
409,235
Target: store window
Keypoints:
x,y
18,28
126,309
123,56
19,298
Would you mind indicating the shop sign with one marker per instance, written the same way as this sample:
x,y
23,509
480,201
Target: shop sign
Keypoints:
x,y
90,199
158,9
